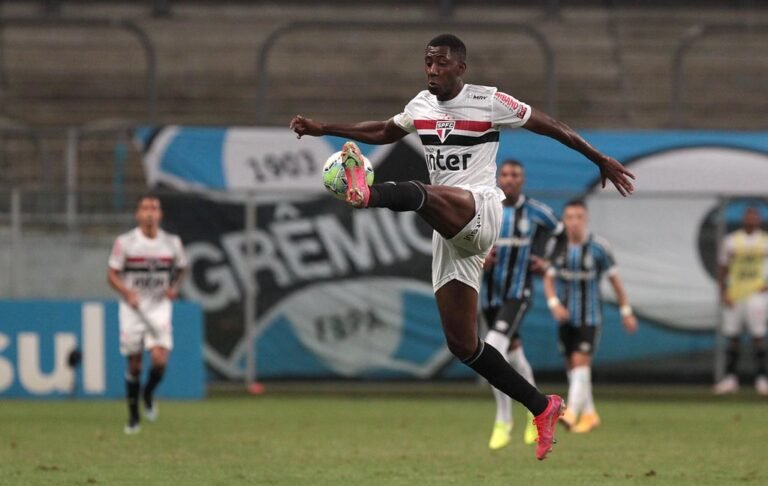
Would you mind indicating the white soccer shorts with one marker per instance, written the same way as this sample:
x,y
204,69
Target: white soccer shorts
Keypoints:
x,y
146,328
753,311
461,257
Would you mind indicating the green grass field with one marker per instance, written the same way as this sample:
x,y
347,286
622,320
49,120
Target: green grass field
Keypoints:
x,y
649,436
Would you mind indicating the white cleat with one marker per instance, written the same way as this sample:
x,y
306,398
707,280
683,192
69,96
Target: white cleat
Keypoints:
x,y
761,385
726,386
151,413
132,429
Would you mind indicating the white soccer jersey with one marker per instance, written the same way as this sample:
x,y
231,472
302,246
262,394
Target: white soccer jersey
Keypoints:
x,y
461,135
147,264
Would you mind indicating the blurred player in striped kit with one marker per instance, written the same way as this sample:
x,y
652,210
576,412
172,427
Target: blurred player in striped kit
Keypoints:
x,y
742,282
146,267
507,287
572,286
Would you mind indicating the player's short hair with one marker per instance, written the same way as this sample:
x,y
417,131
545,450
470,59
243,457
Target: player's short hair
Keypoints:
x,y
146,195
513,163
576,203
453,43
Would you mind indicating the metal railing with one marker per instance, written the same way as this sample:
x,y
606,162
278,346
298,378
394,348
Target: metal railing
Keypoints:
x,y
147,46
56,181
12,130
262,72
687,42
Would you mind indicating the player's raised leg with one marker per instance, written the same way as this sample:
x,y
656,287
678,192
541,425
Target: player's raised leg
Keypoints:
x,y
447,209
159,356
132,389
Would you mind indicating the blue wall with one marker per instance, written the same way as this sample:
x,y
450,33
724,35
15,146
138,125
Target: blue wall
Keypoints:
x,y
36,337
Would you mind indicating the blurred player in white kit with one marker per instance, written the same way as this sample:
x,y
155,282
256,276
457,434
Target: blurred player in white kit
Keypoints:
x,y
146,268
743,286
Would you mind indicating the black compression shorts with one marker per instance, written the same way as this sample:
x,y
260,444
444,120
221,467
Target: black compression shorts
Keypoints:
x,y
583,339
507,318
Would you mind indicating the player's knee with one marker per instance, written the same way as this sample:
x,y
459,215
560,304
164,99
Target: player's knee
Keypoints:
x,y
463,349
581,359
159,357
134,370
160,361
134,366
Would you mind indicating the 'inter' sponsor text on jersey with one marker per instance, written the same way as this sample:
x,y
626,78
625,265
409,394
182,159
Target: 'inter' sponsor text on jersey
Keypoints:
x,y
461,135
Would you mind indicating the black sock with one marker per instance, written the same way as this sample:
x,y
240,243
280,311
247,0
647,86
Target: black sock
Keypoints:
x,y
155,376
492,366
732,357
132,387
760,361
398,196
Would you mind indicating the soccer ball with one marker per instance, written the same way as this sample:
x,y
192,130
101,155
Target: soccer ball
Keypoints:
x,y
334,178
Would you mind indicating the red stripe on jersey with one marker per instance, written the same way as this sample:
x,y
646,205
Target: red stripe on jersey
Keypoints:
x,y
146,259
467,125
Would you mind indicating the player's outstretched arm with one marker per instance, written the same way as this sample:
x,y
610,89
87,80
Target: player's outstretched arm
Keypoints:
x,y
627,316
610,168
373,132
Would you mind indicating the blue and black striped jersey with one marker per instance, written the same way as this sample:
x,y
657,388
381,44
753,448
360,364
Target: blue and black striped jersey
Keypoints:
x,y
509,278
577,270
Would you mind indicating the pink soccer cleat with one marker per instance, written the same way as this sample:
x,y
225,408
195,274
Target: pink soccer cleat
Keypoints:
x,y
354,169
545,425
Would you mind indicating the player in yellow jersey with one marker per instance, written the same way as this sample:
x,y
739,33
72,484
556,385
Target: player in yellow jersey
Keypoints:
x,y
742,279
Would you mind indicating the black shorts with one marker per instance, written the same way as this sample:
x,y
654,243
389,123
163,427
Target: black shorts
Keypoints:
x,y
582,339
507,318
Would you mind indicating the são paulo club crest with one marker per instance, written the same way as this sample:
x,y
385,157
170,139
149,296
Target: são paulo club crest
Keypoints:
x,y
444,128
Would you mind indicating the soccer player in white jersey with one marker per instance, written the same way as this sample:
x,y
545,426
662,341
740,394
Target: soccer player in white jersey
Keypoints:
x,y
459,127
146,268
743,287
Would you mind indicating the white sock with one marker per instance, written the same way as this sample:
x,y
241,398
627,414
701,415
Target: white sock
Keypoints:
x,y
503,406
500,341
520,363
577,391
589,403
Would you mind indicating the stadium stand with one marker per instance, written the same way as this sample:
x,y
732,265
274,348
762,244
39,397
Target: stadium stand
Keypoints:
x,y
619,76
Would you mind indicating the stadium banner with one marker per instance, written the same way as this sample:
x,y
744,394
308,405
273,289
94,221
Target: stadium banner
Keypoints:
x,y
239,159
345,293
70,349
